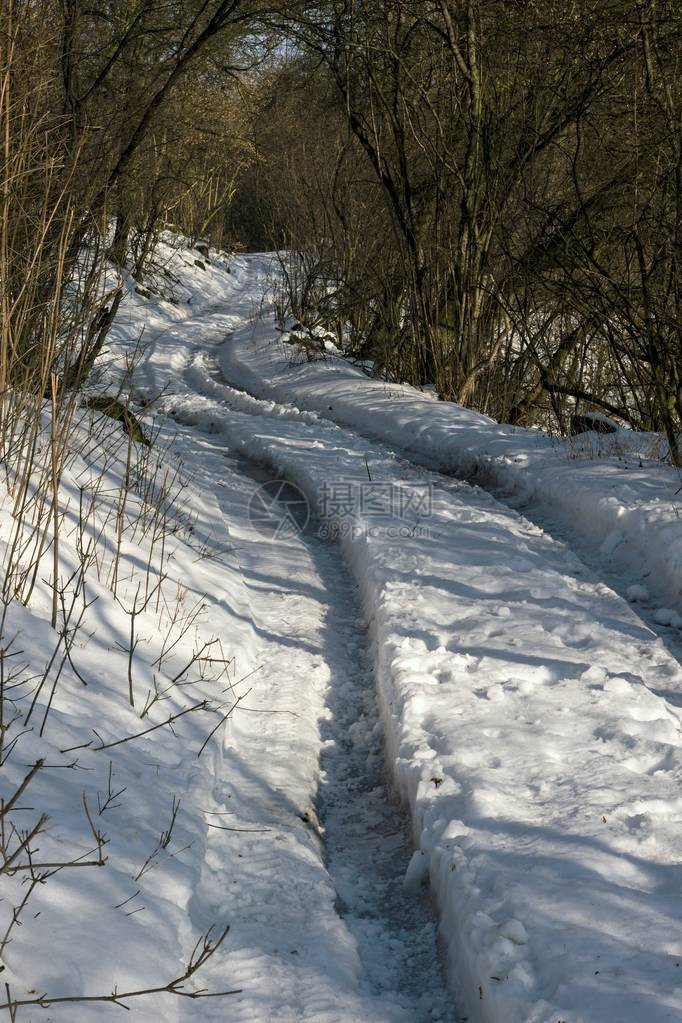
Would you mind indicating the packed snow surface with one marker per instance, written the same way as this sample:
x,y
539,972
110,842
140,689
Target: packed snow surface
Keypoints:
x,y
529,717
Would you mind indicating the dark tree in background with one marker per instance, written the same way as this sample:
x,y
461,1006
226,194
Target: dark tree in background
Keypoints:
x,y
492,188
481,195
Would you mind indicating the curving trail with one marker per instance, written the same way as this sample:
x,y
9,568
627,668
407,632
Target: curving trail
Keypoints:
x,y
528,714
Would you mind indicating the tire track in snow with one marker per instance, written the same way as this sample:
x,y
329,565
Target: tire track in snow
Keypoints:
x,y
580,561
364,835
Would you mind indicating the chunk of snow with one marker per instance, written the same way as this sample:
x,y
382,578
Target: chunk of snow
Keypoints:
x,y
417,871
668,616
612,541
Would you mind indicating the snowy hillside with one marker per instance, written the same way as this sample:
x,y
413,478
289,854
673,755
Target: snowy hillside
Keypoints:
x,y
297,538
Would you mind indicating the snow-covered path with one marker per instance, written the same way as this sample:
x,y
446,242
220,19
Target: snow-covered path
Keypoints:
x,y
322,928
522,702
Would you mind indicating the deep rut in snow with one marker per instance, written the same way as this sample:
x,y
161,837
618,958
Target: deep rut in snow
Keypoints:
x,y
365,835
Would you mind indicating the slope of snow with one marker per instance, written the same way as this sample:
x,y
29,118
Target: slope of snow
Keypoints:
x,y
530,721
241,771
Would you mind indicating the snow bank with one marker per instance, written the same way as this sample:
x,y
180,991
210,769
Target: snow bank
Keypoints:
x,y
604,487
